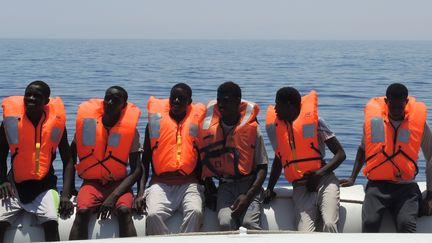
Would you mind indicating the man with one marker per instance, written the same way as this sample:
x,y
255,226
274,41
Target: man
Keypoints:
x,y
299,136
171,147
106,139
395,129
33,127
232,150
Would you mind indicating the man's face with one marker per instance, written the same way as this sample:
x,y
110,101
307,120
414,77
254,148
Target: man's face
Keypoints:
x,y
286,111
228,106
114,102
179,101
396,108
34,100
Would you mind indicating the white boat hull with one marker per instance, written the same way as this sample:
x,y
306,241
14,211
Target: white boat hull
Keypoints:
x,y
278,215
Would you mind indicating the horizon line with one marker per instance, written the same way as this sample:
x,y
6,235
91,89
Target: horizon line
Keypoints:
x,y
204,39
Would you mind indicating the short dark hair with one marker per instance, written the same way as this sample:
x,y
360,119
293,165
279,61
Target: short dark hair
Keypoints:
x,y
397,91
288,95
230,88
46,91
184,87
123,92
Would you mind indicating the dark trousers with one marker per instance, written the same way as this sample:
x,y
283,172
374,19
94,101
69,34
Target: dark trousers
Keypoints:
x,y
402,200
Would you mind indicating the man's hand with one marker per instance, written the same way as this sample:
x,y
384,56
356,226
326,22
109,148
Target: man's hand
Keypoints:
x,y
268,195
312,180
66,208
107,207
240,206
6,190
140,205
346,182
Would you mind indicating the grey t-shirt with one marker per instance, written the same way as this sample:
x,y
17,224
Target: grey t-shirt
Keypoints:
x,y
324,134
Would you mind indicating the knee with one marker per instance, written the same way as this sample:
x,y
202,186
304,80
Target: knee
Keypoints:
x,y
330,227
371,219
51,223
371,223
406,225
82,215
196,212
4,225
153,216
226,223
251,224
124,213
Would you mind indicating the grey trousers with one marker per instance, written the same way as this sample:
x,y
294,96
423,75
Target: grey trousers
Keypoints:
x,y
227,194
402,200
163,200
325,203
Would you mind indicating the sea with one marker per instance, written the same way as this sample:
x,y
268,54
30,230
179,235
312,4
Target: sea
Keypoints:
x,y
346,74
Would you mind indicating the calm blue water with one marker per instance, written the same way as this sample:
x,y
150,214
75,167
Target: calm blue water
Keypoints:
x,y
344,73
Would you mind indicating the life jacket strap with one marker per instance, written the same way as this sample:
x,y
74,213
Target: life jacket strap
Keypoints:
x,y
101,162
117,159
410,159
388,158
319,157
287,163
312,146
14,155
213,145
87,156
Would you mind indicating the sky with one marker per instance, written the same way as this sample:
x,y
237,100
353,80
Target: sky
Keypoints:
x,y
218,19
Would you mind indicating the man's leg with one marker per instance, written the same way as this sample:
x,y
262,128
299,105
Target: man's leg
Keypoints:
x,y
405,208
79,230
124,214
373,207
45,206
88,199
126,224
192,207
225,198
252,217
159,208
306,210
329,202
9,211
3,227
51,231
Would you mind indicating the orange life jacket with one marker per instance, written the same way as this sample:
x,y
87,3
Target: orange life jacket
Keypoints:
x,y
233,155
31,148
103,154
392,153
174,145
296,145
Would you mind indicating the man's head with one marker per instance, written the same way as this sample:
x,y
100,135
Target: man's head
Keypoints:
x,y
396,100
228,100
180,99
115,100
288,104
36,96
